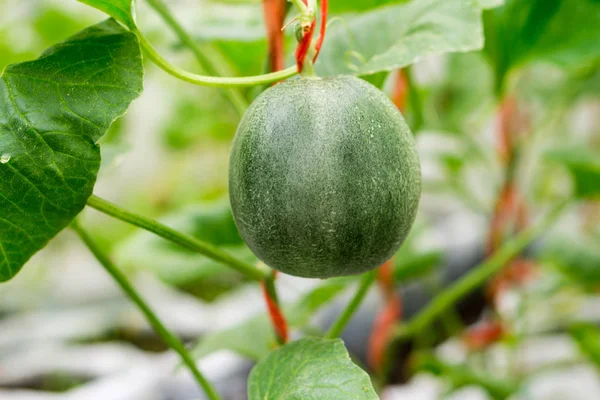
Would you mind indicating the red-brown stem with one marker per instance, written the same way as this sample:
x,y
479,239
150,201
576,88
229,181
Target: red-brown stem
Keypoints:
x,y
510,210
503,211
483,335
516,273
321,38
386,319
385,278
506,127
274,13
400,91
383,330
275,313
509,207
522,213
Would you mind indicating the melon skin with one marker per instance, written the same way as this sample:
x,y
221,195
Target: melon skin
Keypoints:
x,y
324,177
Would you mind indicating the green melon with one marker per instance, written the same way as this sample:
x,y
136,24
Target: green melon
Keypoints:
x,y
324,178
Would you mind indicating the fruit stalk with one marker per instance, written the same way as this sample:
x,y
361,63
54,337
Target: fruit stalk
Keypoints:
x,y
158,326
307,52
304,47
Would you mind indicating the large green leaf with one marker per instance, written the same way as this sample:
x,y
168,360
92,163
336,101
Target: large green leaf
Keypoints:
x,y
559,31
486,4
121,10
398,35
584,166
52,112
254,338
310,368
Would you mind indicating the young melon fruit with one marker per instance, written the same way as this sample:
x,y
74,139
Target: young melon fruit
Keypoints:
x,y
324,179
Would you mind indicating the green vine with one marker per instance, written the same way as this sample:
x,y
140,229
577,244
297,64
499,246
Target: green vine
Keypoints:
x,y
155,322
207,56
212,81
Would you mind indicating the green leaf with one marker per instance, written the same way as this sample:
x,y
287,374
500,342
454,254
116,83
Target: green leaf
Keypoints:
x,y
121,10
299,314
181,129
414,266
395,36
486,4
577,258
378,79
52,112
464,96
558,31
310,368
584,166
254,338
175,265
587,337
230,22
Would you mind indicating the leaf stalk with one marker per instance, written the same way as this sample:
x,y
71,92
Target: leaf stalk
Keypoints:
x,y
179,238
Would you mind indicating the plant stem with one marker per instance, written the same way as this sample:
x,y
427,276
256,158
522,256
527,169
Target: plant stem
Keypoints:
x,y
274,15
208,57
152,318
476,277
301,6
211,80
176,237
338,326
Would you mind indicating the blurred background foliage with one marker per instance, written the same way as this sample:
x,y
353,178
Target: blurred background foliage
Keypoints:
x,y
168,157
